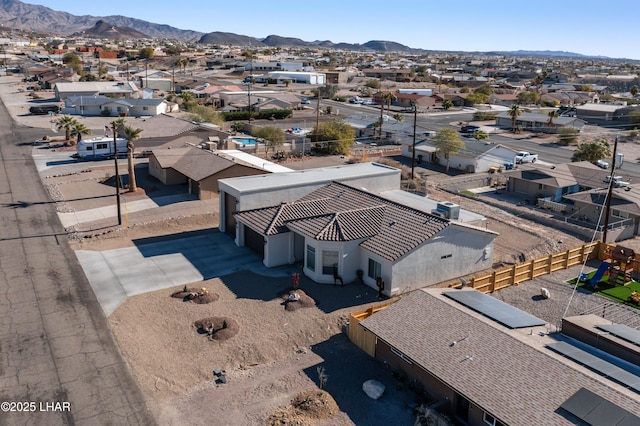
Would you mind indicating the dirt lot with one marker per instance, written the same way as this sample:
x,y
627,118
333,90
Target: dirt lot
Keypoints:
x,y
276,353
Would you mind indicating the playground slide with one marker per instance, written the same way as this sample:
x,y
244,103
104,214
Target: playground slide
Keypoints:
x,y
604,266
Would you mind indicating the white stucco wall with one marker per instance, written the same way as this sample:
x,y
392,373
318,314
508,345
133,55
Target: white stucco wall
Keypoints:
x,y
278,250
459,162
348,255
495,157
470,251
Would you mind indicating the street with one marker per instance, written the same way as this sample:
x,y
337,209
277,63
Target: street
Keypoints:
x,y
56,350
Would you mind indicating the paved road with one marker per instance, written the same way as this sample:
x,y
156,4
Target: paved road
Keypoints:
x,y
55,346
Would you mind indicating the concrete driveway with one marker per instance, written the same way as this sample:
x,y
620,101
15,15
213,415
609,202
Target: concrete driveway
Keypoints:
x,y
156,264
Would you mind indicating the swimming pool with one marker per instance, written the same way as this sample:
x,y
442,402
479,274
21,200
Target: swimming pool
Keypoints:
x,y
244,141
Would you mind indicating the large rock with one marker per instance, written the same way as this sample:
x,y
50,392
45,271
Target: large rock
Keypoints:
x,y
373,388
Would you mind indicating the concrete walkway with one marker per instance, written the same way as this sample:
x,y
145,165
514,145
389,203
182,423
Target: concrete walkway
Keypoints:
x,y
117,274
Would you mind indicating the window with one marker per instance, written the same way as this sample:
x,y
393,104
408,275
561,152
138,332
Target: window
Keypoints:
x,y
446,256
329,261
89,148
145,108
101,146
375,269
490,420
311,258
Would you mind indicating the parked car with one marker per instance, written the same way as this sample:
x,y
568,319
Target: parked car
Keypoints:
x,y
305,101
368,102
44,109
602,164
526,157
469,129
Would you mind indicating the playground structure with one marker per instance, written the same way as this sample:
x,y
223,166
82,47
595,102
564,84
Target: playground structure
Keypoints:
x,y
618,266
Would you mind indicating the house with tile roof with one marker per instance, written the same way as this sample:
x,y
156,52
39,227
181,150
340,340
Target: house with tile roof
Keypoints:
x,y
478,371
343,229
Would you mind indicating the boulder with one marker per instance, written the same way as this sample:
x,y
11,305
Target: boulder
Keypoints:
x,y
373,388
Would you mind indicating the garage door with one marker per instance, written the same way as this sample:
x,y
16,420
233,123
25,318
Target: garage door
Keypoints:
x,y
230,220
254,241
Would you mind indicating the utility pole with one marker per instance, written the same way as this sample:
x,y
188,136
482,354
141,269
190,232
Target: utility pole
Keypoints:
x,y
115,159
413,150
317,117
610,191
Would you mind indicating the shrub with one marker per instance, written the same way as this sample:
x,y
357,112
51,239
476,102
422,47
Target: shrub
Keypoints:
x,y
484,115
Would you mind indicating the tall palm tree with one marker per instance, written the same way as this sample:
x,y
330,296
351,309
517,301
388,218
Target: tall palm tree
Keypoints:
x,y
514,112
538,81
552,114
66,122
132,135
385,98
78,130
120,125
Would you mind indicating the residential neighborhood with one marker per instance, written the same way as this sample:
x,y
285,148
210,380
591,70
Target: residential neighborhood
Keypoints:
x,y
410,236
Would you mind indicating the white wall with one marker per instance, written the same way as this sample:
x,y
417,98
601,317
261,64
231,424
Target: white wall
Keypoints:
x,y
348,255
278,250
471,251
459,162
495,157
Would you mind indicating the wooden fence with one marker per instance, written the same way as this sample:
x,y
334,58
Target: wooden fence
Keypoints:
x,y
505,277
361,337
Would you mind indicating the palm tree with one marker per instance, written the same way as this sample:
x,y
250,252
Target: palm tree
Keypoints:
x,y
184,62
132,135
538,81
120,125
78,130
552,114
66,122
514,112
387,98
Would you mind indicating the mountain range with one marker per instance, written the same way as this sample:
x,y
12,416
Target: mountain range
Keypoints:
x,y
19,15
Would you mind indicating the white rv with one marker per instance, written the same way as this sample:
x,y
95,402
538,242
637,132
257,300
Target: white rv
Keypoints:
x,y
100,148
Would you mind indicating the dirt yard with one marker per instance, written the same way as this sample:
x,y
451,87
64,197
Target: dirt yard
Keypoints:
x,y
276,353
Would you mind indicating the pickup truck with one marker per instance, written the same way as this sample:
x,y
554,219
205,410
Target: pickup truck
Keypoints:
x,y
618,181
526,157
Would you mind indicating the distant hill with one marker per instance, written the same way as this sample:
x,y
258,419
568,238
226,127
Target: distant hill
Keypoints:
x,y
104,29
218,37
16,14
277,41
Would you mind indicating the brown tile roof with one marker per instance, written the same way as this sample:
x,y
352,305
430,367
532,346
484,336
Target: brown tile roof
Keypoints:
x,y
500,370
338,212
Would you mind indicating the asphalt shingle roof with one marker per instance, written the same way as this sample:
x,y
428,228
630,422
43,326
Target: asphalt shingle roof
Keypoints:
x,y
505,375
338,212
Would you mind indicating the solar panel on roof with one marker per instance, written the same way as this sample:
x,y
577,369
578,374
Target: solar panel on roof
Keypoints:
x,y
495,309
599,365
597,411
622,331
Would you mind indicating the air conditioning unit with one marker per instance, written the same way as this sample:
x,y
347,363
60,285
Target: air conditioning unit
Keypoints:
x,y
450,210
438,213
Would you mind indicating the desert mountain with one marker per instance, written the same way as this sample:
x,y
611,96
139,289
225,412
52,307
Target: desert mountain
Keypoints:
x,y
16,14
103,29
222,38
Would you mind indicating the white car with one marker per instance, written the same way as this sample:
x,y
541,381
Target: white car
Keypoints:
x,y
602,164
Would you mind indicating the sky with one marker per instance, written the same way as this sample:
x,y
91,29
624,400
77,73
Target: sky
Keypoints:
x,y
588,27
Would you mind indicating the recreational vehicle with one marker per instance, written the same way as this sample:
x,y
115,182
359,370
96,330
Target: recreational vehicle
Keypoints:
x,y
100,148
